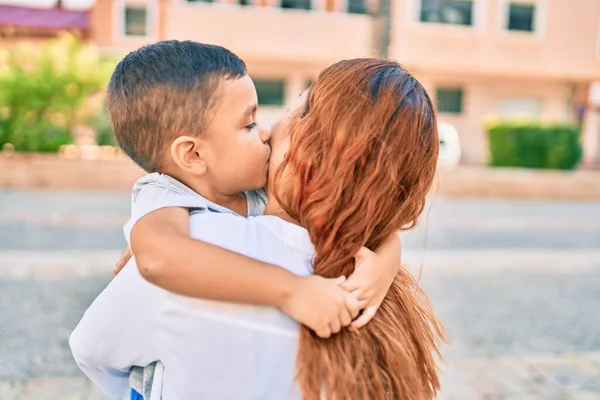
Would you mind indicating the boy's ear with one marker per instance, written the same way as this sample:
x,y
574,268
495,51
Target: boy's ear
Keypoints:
x,y
188,154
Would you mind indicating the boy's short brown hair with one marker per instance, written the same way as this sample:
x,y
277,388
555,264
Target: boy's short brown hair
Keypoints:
x,y
163,90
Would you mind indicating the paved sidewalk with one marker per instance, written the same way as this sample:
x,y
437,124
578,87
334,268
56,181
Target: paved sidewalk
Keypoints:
x,y
525,377
533,377
515,283
66,263
51,389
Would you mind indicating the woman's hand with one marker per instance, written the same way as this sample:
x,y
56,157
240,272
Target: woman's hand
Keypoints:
x,y
370,282
123,259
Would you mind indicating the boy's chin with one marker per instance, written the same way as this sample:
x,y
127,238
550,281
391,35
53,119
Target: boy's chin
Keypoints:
x,y
264,183
260,183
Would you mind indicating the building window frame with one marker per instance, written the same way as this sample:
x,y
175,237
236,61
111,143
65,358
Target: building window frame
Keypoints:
x,y
460,110
279,80
313,7
346,7
478,18
506,104
210,2
538,22
472,24
121,23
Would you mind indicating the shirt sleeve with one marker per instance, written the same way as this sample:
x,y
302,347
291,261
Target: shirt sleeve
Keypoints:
x,y
117,332
153,197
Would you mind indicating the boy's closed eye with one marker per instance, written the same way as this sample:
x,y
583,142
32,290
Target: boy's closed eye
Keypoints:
x,y
251,125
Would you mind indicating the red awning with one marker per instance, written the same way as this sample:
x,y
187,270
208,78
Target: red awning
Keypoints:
x,y
54,18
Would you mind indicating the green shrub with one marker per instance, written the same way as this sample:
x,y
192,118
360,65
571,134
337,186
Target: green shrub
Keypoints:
x,y
534,145
101,125
43,90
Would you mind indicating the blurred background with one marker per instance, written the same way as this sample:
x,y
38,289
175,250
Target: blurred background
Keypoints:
x,y
508,248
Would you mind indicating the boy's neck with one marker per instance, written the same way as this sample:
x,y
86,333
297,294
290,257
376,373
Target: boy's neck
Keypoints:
x,y
236,203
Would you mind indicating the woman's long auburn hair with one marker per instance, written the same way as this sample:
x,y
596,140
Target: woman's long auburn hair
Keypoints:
x,y
362,159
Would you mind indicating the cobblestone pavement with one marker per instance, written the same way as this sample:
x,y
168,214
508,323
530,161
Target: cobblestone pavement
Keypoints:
x,y
516,284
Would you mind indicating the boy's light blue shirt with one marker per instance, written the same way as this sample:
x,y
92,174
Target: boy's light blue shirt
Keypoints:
x,y
153,192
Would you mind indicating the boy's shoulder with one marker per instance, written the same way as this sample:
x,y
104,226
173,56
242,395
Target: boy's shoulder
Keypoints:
x,y
156,191
161,181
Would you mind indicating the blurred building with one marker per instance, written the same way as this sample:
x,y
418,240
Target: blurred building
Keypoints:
x,y
36,20
285,43
500,59
481,59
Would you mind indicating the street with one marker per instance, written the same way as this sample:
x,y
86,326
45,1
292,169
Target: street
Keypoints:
x,y
515,283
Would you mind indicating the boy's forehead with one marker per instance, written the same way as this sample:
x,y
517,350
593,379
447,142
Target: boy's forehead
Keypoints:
x,y
237,96
239,90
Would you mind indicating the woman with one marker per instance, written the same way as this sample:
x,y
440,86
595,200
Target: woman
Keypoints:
x,y
352,163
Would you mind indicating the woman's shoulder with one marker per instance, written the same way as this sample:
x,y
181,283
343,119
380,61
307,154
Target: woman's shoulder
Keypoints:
x,y
266,238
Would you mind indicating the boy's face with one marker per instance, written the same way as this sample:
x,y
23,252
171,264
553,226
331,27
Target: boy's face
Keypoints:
x,y
238,155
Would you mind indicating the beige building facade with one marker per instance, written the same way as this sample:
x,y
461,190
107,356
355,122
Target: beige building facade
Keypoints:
x,y
284,48
480,59
502,59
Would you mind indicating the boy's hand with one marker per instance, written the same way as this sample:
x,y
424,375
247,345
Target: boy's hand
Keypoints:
x,y
370,283
123,259
321,304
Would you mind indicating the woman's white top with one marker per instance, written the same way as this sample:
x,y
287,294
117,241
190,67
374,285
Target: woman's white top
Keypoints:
x,y
210,350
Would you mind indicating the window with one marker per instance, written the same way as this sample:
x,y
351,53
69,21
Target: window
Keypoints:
x,y
457,12
521,17
244,2
450,100
270,92
511,108
136,18
297,4
357,7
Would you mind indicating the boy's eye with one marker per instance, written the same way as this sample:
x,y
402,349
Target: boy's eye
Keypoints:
x,y
251,126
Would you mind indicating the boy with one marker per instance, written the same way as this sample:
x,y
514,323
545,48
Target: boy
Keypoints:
x,y
185,112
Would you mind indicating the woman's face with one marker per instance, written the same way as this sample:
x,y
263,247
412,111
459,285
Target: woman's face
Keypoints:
x,y
280,135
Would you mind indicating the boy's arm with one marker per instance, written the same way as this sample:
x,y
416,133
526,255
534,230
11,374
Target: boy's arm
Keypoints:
x,y
373,276
169,257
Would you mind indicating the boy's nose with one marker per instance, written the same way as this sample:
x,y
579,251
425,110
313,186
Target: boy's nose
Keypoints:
x,y
264,133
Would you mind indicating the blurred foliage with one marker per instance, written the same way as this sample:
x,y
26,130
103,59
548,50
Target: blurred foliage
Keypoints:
x,y
101,124
44,91
534,145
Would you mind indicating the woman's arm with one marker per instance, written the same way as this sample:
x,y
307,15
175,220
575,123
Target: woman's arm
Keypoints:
x,y
168,257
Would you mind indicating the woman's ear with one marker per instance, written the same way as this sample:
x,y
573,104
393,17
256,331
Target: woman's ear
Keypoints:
x,y
188,154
